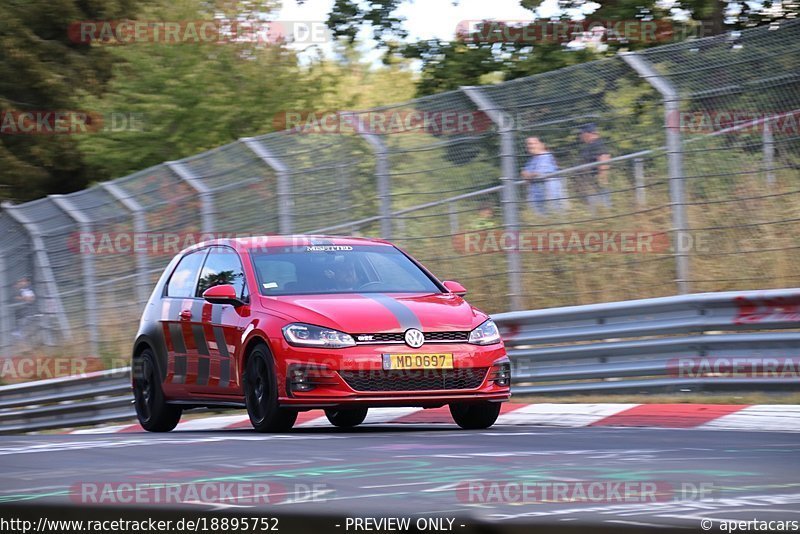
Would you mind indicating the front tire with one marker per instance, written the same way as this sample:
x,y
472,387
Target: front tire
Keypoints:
x,y
347,417
261,394
475,416
152,410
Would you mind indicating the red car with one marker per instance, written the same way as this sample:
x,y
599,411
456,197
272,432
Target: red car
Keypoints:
x,y
284,324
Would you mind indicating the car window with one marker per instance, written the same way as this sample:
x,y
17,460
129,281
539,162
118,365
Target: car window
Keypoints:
x,y
338,269
181,283
222,267
394,267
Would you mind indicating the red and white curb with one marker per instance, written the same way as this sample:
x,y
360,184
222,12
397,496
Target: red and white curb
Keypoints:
x,y
769,418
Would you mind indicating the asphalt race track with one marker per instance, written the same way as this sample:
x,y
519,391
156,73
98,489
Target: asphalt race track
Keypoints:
x,y
417,470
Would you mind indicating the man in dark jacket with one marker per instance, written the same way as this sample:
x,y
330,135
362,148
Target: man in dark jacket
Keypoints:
x,y
592,184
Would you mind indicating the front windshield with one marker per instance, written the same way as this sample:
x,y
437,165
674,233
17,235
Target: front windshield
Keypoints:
x,y
323,269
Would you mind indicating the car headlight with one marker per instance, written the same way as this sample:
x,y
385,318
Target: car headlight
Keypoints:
x,y
485,334
307,335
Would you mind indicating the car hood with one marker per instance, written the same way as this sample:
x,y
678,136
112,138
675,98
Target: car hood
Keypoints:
x,y
380,312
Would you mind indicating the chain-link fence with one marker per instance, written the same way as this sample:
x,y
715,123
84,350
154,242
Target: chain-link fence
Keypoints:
x,y
671,170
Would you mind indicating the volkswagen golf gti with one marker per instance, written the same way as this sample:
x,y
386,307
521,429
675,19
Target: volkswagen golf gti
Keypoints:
x,y
283,324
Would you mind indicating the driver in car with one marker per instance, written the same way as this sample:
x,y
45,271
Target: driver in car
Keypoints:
x,y
343,274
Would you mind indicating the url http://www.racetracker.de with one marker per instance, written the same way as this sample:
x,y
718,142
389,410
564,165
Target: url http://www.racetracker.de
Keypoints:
x,y
199,524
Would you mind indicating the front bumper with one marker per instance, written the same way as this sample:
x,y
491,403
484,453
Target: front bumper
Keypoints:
x,y
327,378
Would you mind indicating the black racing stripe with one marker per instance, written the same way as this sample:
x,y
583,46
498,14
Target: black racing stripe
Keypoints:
x,y
197,309
176,335
203,366
180,370
403,314
216,314
219,337
224,372
200,339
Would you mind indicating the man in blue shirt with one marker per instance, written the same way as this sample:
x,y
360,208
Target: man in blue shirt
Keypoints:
x,y
544,193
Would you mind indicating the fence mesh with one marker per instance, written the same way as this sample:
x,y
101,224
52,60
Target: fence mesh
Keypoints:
x,y
445,178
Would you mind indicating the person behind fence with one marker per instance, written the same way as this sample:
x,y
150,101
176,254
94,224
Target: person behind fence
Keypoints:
x,y
25,304
592,184
484,220
544,192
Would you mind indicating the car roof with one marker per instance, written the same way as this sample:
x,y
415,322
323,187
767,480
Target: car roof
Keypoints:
x,y
262,241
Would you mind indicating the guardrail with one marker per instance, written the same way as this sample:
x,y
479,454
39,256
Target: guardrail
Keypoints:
x,y
653,344
93,398
626,347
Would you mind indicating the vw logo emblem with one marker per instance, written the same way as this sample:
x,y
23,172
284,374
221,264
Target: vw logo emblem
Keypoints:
x,y
414,338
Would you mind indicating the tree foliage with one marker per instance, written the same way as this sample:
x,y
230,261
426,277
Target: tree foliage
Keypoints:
x,y
43,70
470,59
158,101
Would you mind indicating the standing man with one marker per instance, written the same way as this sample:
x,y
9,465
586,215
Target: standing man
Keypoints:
x,y
593,183
25,300
544,192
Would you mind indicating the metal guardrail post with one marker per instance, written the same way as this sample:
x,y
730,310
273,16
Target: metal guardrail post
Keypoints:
x,y
139,228
382,174
42,264
508,161
205,194
769,152
87,266
672,101
284,186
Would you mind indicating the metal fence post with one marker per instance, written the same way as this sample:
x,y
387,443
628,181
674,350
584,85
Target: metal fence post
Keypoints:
x,y
42,264
453,216
508,162
87,266
139,228
382,174
672,101
205,194
5,319
769,152
638,174
284,186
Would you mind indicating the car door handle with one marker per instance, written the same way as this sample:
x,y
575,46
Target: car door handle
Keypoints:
x,y
186,314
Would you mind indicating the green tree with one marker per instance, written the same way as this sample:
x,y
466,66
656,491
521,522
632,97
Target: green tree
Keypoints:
x,y
41,70
473,58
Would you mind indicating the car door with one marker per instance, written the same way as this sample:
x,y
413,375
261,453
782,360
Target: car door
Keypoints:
x,y
221,324
178,307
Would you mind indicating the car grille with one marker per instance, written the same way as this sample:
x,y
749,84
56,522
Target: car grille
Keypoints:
x,y
398,337
420,380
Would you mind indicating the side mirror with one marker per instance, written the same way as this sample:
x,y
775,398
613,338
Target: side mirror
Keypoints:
x,y
455,287
223,294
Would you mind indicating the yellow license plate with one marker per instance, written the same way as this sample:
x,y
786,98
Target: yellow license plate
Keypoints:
x,y
417,361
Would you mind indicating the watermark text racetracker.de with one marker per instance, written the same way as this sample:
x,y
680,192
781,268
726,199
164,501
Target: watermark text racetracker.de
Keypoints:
x,y
188,32
211,492
586,491
563,31
45,366
735,121
157,243
69,122
570,241
735,367
383,122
